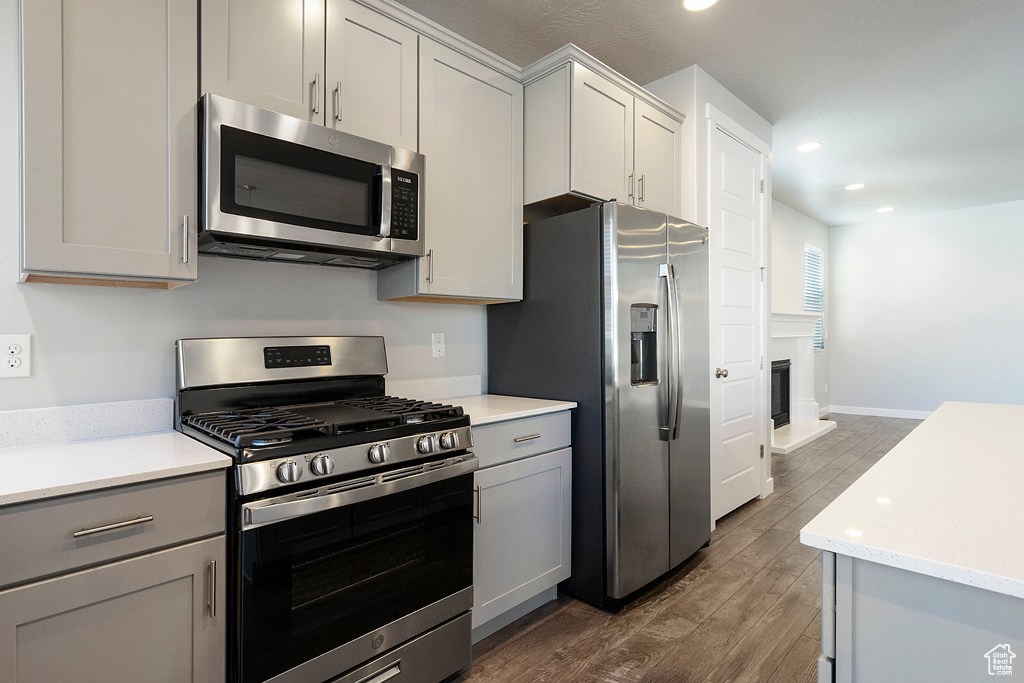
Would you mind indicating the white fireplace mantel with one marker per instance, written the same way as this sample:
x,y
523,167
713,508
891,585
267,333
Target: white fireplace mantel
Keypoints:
x,y
792,333
793,324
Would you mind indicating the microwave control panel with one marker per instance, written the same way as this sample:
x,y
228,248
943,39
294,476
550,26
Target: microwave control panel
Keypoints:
x,y
405,201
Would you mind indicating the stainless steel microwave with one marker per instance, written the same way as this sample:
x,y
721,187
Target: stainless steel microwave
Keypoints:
x,y
278,188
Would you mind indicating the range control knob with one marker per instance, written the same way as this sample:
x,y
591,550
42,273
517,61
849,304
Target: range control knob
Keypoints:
x,y
449,440
379,453
289,472
321,465
425,444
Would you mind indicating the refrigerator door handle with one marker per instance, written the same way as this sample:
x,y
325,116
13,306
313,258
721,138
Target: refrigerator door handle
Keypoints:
x,y
672,418
677,350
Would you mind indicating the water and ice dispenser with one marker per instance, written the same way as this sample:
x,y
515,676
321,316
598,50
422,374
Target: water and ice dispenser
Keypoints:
x,y
643,326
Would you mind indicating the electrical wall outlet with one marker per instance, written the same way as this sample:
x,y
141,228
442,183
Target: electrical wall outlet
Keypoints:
x,y
437,344
15,355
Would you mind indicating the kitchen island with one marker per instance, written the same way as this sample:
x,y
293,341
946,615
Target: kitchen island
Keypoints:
x,y
923,556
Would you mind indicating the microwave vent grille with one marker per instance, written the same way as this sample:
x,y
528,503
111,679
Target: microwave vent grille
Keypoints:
x,y
353,261
234,250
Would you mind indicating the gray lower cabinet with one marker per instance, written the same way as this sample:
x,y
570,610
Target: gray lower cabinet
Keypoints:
x,y
109,142
157,618
880,623
523,518
123,584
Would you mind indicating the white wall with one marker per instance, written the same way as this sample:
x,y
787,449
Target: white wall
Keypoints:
x,y
94,344
791,230
929,309
690,91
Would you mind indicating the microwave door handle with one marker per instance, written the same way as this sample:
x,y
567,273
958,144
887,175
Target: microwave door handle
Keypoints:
x,y
385,201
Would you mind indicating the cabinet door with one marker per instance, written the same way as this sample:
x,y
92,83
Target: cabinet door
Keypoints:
x,y
471,132
143,619
267,53
602,137
657,160
371,74
109,138
521,544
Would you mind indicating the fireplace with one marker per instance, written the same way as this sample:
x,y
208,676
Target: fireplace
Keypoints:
x,y
780,392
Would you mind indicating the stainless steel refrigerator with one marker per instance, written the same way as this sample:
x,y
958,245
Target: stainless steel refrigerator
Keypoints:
x,y
615,317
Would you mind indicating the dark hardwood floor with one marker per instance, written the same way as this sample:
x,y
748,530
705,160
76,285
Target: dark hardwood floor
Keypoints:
x,y
744,609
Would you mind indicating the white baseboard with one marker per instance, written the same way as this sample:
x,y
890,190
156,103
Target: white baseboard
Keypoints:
x,y
824,410
882,412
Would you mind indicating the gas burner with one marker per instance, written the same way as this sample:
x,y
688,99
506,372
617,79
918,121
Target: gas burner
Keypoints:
x,y
410,410
257,428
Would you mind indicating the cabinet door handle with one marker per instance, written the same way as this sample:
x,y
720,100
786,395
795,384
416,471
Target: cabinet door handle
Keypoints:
x,y
184,244
337,111
430,265
479,516
531,437
213,588
640,187
629,186
112,527
316,93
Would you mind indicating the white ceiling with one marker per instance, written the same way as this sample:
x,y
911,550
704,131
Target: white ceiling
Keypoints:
x,y
921,100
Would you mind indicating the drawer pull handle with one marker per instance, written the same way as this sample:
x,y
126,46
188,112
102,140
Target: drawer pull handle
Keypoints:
x,y
531,437
111,527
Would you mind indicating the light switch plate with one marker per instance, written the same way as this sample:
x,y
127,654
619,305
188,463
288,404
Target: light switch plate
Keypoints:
x,y
15,355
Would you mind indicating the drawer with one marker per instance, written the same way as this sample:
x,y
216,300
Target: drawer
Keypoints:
x,y
500,442
38,538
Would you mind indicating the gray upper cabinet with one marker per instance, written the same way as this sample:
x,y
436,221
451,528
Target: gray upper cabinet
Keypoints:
x,y
471,132
591,134
371,63
109,142
332,62
266,53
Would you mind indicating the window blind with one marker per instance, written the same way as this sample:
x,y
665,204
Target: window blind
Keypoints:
x,y
814,291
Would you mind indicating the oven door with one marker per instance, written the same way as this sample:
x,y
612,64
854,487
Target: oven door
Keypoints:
x,y
335,576
272,179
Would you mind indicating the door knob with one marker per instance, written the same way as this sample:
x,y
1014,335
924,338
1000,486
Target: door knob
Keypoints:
x,y
719,372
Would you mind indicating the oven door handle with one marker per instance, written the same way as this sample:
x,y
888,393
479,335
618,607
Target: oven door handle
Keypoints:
x,y
263,512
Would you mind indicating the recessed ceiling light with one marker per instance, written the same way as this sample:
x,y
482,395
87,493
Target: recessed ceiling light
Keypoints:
x,y
694,5
885,209
855,186
808,147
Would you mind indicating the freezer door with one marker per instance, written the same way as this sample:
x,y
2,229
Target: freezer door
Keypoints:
x,y
636,369
690,451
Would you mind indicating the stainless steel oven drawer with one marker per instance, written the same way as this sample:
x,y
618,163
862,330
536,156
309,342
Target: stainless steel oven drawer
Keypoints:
x,y
501,442
429,658
60,534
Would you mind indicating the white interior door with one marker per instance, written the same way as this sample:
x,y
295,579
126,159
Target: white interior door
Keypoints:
x,y
736,302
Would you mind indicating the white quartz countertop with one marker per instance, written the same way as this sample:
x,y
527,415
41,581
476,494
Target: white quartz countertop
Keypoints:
x,y
44,471
488,408
947,501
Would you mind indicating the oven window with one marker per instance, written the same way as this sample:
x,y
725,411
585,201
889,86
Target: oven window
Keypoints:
x,y
313,583
285,182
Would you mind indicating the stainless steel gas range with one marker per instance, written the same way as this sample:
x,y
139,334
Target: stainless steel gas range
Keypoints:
x,y
349,511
